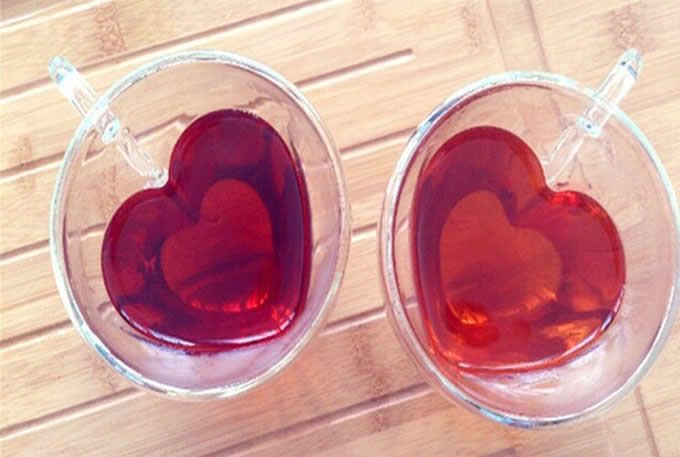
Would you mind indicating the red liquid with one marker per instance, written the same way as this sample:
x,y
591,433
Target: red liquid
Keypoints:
x,y
510,275
219,257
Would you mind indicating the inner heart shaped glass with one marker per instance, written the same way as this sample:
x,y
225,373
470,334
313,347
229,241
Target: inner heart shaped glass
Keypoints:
x,y
218,257
510,275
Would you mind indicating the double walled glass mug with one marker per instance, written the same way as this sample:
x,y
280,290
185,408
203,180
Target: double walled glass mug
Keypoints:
x,y
482,327
124,144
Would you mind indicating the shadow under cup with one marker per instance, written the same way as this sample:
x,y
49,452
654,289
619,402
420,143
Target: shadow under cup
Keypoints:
x,y
621,171
157,102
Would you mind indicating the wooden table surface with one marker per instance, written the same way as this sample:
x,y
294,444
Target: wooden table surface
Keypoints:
x,y
374,69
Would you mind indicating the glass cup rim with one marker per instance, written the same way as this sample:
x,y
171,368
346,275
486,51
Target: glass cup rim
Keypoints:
x,y
57,251
395,309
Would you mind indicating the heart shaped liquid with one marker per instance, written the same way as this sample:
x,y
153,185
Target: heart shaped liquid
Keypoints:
x,y
219,257
510,275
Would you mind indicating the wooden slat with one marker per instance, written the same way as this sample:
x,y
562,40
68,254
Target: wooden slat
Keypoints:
x,y
608,28
32,374
664,419
660,394
660,126
426,424
367,178
23,225
316,384
445,434
113,28
26,278
518,37
362,289
31,318
622,435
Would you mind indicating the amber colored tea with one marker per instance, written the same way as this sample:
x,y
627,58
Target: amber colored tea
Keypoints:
x,y
219,257
510,275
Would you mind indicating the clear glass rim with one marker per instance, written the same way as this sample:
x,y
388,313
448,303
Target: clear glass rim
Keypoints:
x,y
395,308
56,234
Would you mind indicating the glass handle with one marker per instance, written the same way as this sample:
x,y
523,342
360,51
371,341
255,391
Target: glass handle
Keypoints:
x,y
96,111
615,86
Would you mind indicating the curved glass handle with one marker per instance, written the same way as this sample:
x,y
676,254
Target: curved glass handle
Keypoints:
x,y
615,86
96,111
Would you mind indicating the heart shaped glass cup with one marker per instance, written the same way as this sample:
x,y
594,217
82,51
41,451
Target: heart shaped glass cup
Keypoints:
x,y
155,104
613,164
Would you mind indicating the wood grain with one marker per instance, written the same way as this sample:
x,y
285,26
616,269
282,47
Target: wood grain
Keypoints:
x,y
25,11
318,385
373,69
105,30
427,425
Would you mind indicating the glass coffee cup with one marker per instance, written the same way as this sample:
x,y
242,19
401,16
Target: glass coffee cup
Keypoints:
x,y
582,143
123,146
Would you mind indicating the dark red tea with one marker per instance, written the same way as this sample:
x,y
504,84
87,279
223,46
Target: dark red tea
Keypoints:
x,y
219,257
510,274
